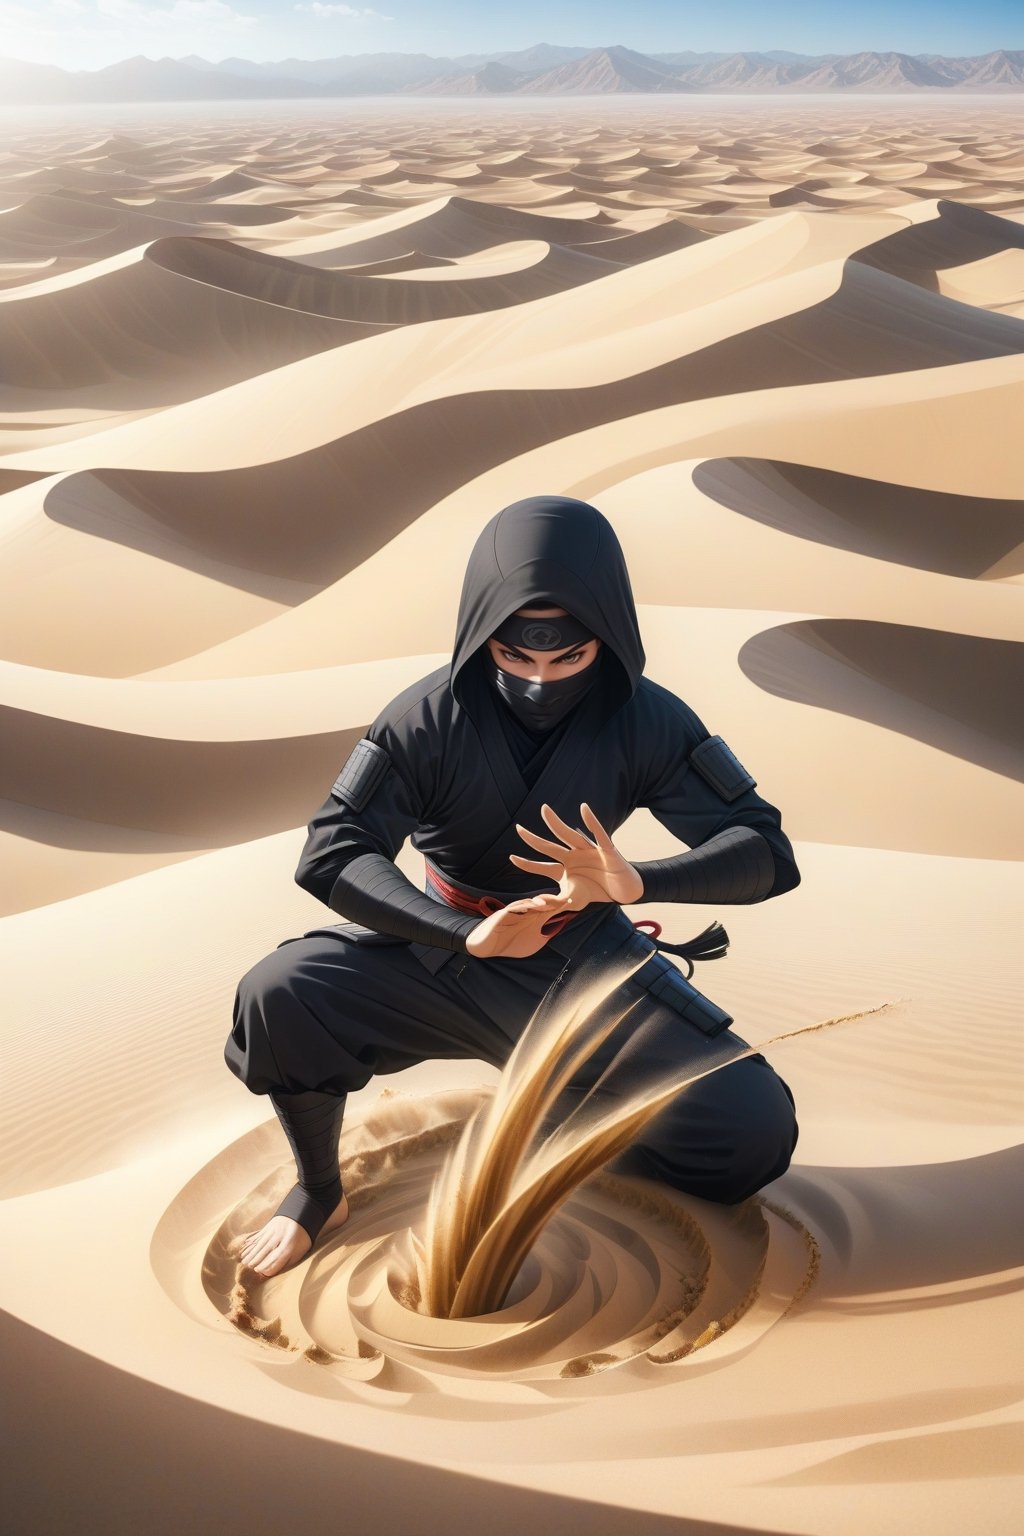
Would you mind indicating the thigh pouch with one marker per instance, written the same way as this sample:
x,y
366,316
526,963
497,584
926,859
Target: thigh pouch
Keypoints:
x,y
661,979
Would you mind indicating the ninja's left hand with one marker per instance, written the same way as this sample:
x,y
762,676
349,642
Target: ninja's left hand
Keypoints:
x,y
586,871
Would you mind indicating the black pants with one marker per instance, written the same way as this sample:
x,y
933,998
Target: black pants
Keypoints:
x,y
331,1009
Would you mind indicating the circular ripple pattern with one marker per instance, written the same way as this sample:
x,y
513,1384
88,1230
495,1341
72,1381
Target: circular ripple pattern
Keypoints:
x,y
627,1270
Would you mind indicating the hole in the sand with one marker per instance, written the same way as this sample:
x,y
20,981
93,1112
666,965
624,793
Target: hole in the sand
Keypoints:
x,y
629,1274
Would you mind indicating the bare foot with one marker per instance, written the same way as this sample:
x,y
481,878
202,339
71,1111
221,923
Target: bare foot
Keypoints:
x,y
281,1242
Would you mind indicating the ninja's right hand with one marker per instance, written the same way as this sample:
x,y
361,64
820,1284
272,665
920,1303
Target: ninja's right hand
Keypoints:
x,y
516,930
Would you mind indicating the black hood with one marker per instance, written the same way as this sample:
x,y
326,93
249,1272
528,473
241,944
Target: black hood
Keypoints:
x,y
566,551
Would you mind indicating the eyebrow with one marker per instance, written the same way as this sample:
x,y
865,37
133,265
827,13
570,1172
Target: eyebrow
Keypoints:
x,y
522,657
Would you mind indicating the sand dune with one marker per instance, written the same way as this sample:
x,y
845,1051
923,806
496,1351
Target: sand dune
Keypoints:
x,y
417,261
956,692
162,781
457,226
864,323
15,273
961,235
230,185
970,536
276,280
641,469
264,381
88,231
13,479
239,216
130,773
144,323
996,282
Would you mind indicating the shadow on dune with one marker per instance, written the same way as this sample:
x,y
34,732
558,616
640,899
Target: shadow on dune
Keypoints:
x,y
779,1429
230,184
958,693
192,314
882,1229
341,295
66,223
463,226
960,234
143,323
976,1451
218,793
921,1225
182,212
14,479
351,495
146,1458
929,530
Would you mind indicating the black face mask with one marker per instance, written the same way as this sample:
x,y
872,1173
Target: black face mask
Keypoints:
x,y
539,706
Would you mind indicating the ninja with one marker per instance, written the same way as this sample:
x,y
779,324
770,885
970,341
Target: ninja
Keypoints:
x,y
511,768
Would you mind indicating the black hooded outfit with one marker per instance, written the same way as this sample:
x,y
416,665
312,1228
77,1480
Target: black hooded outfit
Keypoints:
x,y
446,763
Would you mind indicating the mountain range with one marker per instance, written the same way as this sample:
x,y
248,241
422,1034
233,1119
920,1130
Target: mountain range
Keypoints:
x,y
543,70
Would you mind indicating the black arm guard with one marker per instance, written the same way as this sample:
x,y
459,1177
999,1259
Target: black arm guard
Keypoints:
x,y
735,865
371,890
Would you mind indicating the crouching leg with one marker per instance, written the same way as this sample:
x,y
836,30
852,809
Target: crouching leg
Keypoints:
x,y
724,1137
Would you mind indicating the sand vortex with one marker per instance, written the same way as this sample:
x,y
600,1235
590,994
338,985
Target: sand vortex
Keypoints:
x,y
504,1181
626,1270
478,1245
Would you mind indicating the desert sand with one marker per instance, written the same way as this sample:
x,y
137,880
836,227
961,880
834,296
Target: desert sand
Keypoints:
x,y
266,374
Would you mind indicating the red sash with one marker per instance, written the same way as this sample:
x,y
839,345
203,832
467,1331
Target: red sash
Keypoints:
x,y
486,905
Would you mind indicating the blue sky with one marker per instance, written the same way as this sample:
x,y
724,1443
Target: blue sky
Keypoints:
x,y
84,34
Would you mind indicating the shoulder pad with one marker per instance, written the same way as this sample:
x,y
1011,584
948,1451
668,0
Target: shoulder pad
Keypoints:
x,y
719,765
363,771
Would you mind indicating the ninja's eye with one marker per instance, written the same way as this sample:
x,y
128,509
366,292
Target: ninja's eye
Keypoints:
x,y
573,656
512,656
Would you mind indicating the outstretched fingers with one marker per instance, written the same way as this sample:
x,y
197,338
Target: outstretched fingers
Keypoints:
x,y
537,866
573,840
572,835
601,837
542,844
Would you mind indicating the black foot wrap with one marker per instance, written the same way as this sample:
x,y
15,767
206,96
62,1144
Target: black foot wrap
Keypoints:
x,y
312,1123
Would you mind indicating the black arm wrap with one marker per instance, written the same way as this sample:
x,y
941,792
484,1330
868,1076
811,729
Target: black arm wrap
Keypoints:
x,y
735,865
372,891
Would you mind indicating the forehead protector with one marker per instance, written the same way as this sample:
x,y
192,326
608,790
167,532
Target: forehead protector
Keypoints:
x,y
559,633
